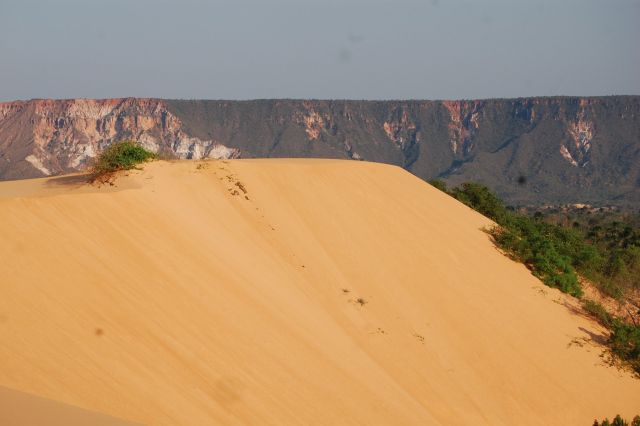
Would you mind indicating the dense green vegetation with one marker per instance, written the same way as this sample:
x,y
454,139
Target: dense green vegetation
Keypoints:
x,y
606,254
551,252
123,155
616,236
618,421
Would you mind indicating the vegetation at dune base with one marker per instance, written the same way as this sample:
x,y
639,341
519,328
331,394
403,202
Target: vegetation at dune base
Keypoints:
x,y
608,256
618,421
123,155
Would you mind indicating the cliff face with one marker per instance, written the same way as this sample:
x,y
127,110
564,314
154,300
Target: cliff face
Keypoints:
x,y
563,149
59,136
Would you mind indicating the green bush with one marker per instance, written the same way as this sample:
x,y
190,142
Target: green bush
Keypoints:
x,y
481,199
618,421
598,312
123,155
549,251
543,254
439,184
609,256
625,342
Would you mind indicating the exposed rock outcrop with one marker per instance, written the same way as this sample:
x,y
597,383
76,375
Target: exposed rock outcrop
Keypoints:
x,y
571,150
464,123
65,135
401,129
581,131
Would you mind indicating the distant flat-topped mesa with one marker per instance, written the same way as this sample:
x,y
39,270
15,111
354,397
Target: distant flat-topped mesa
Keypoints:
x,y
529,150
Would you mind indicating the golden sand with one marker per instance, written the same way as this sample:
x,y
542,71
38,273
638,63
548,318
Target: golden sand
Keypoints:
x,y
285,292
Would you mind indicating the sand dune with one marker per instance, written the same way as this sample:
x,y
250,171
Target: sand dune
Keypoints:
x,y
21,409
331,292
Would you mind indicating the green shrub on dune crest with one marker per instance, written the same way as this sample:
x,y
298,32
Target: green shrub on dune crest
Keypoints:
x,y
123,155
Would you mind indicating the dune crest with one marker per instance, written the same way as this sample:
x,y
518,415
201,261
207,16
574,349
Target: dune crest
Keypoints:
x,y
285,292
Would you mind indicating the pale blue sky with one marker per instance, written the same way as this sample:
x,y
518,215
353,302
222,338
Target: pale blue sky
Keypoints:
x,y
358,49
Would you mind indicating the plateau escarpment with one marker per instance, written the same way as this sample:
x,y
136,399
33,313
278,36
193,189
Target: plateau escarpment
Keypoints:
x,y
60,136
529,150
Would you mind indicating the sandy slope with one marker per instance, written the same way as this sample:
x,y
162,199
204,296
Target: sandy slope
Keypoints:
x,y
166,299
21,409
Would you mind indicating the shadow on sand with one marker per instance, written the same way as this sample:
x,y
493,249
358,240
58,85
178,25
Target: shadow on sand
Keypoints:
x,y
75,180
598,338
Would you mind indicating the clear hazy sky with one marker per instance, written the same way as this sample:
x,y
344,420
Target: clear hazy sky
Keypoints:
x,y
359,49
